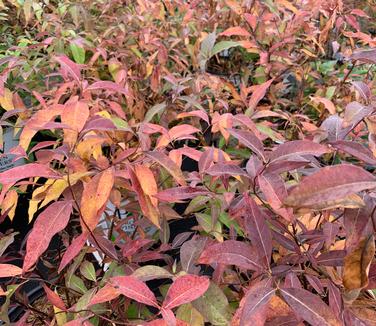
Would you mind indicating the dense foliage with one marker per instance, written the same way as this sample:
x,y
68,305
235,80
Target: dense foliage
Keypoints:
x,y
272,103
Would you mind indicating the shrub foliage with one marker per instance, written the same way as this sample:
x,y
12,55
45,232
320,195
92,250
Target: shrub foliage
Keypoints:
x,y
271,103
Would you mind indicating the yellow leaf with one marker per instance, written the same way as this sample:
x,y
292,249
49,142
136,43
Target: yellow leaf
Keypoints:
x,y
90,147
35,198
10,203
147,181
6,101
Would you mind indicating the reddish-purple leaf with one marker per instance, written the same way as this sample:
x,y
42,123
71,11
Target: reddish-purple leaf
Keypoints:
x,y
335,299
73,250
297,148
185,289
331,258
206,160
249,139
355,149
133,288
54,298
105,294
169,165
69,66
107,85
180,193
292,281
315,283
51,221
190,252
257,230
27,171
363,89
98,123
258,94
231,252
8,270
221,169
330,183
309,307
255,304
275,192
364,56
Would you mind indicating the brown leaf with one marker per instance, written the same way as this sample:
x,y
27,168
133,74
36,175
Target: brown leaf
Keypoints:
x,y
357,264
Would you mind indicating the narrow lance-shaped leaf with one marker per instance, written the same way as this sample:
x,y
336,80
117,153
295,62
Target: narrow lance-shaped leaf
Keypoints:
x,y
330,183
8,270
133,288
257,230
185,289
258,94
169,165
180,193
248,139
255,304
309,307
94,197
51,221
231,252
297,148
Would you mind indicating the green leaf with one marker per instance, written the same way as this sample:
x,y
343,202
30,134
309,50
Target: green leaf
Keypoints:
x,y
213,305
205,222
76,284
78,53
189,314
226,220
224,45
87,270
156,109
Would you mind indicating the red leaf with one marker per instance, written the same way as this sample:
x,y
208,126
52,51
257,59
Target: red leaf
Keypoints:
x,y
330,183
185,289
54,298
231,252
69,66
309,307
27,171
297,147
8,270
235,31
255,304
180,193
73,250
275,192
169,165
133,288
258,231
259,92
105,294
248,139
221,169
51,221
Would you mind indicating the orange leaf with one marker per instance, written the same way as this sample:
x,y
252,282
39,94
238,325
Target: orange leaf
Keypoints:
x,y
235,31
94,198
